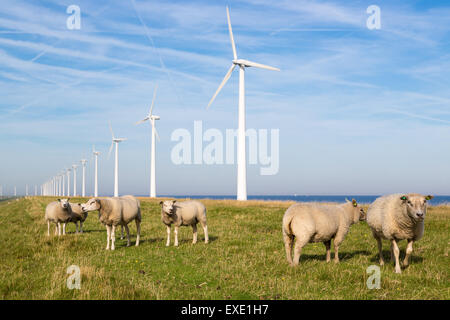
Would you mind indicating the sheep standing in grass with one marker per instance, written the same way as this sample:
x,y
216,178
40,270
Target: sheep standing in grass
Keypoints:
x,y
116,211
398,217
313,222
187,213
78,215
58,212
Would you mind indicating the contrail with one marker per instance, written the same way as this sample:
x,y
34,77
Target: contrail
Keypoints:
x,y
147,33
413,115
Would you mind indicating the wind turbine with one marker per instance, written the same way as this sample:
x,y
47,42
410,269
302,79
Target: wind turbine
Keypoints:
x,y
241,156
74,167
152,118
68,181
83,185
116,167
95,153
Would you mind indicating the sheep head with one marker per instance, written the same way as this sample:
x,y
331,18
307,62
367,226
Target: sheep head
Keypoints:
x,y
416,205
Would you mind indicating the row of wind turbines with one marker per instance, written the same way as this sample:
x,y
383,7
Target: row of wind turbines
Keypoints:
x,y
53,186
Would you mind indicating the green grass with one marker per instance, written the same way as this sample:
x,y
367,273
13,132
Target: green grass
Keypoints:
x,y
245,259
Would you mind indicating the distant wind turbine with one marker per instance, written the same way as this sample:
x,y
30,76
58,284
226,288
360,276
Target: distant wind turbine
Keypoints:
x,y
95,153
68,181
241,156
74,167
152,118
83,182
115,141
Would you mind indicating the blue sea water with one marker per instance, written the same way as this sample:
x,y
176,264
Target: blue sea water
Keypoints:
x,y
437,200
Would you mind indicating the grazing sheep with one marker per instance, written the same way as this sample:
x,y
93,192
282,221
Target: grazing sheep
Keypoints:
x,y
397,217
313,222
78,215
114,212
58,212
187,213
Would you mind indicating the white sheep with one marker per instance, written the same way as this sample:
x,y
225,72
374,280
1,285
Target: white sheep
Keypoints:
x,y
398,217
187,213
114,212
58,212
314,222
78,215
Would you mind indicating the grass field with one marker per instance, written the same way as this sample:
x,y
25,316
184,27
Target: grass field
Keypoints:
x,y
245,259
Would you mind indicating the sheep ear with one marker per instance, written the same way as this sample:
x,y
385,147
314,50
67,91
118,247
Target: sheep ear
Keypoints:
x,y
174,201
160,203
404,198
79,204
429,197
59,200
354,203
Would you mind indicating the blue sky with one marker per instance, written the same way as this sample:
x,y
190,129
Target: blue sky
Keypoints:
x,y
359,111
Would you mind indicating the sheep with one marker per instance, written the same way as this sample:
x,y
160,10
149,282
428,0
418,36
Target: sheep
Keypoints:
x,y
58,212
187,213
78,215
398,217
313,222
114,212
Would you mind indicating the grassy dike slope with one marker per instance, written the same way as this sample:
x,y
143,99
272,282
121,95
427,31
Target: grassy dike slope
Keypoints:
x,y
244,260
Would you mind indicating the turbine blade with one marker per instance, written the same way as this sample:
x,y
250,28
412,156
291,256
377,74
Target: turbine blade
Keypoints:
x,y
156,131
153,100
227,76
110,129
231,34
110,150
141,121
259,65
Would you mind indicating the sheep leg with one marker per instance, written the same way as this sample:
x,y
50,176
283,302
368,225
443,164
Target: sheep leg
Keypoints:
x,y
121,229
194,230
409,249
288,242
336,250
380,249
298,251
64,228
392,253
168,236
113,237
328,247
76,226
59,228
396,255
81,227
205,231
138,232
48,228
56,228
176,237
108,236
128,235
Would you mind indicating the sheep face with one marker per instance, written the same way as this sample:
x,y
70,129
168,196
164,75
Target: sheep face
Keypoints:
x,y
168,206
416,205
92,205
358,212
64,203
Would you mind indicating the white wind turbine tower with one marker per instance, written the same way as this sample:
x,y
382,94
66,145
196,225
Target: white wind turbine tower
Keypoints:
x,y
152,118
241,154
83,184
74,167
115,141
68,181
95,153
